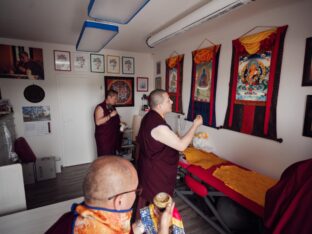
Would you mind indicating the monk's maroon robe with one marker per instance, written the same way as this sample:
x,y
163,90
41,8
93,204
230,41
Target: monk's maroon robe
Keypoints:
x,y
107,135
64,225
288,204
157,161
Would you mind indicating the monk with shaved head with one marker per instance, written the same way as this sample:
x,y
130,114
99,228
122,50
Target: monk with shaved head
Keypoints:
x,y
109,189
159,148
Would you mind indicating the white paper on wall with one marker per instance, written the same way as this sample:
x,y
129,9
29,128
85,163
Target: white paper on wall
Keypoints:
x,y
36,120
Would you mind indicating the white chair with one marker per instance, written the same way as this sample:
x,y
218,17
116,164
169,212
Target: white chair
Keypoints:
x,y
12,192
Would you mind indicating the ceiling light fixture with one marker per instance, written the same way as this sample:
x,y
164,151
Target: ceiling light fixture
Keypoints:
x,y
116,11
211,10
95,35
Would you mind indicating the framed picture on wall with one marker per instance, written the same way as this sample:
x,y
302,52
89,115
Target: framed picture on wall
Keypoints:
x,y
142,84
97,63
125,88
307,127
307,69
158,68
81,62
21,62
127,65
113,64
62,60
158,82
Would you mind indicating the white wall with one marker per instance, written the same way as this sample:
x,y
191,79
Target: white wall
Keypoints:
x,y
266,156
72,97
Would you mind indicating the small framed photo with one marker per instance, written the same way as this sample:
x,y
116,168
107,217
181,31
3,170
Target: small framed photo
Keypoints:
x,y
81,62
97,63
62,60
113,64
158,82
158,68
142,84
307,69
127,65
307,126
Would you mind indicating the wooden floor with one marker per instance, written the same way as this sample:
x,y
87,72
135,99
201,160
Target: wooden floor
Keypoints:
x,y
68,185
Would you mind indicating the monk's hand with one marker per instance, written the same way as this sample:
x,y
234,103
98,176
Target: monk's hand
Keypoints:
x,y
198,120
166,219
113,113
138,227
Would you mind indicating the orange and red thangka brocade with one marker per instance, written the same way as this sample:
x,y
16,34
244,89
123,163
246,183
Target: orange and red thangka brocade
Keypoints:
x,y
97,220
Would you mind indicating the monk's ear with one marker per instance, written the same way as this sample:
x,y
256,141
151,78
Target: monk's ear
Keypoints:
x,y
118,202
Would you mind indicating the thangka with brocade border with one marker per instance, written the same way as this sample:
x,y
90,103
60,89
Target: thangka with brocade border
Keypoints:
x,y
174,81
254,83
204,83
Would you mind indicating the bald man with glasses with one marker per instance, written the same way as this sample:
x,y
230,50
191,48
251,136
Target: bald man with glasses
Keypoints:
x,y
110,189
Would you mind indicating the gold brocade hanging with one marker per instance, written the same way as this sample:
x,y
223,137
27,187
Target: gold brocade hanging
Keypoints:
x,y
205,55
252,42
172,61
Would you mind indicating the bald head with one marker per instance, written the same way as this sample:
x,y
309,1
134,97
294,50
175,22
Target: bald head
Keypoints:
x,y
108,176
156,97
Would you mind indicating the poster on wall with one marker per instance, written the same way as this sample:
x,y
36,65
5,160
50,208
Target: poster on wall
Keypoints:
x,y
307,69
128,65
204,83
307,127
81,62
36,120
254,83
21,62
174,81
124,87
97,63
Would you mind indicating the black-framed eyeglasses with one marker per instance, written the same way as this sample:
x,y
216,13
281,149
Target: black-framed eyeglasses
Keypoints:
x,y
137,191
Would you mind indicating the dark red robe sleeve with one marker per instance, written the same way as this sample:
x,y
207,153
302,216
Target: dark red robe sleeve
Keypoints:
x,y
62,226
288,204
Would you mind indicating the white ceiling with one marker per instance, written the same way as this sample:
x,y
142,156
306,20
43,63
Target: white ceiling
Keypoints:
x,y
60,21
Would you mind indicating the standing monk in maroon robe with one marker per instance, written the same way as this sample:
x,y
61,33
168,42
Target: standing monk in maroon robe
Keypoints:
x,y
107,125
159,148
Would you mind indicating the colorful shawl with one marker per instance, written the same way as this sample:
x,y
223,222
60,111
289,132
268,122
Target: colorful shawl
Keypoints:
x,y
150,221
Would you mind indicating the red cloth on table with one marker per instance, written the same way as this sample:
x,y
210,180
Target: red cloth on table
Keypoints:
x,y
157,161
288,204
107,135
24,151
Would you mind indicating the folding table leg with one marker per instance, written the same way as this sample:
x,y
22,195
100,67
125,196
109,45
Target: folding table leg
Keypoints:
x,y
182,194
216,214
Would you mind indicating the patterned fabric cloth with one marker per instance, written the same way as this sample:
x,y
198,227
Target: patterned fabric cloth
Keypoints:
x,y
150,221
100,220
174,81
254,83
204,83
